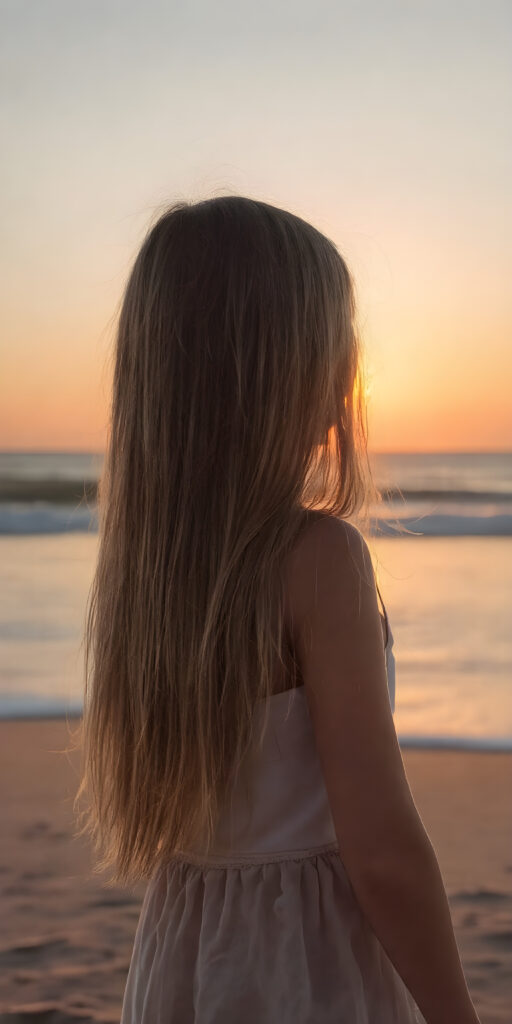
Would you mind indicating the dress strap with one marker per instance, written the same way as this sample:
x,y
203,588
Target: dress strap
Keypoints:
x,y
386,618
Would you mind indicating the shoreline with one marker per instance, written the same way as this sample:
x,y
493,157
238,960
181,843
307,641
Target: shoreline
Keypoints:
x,y
463,744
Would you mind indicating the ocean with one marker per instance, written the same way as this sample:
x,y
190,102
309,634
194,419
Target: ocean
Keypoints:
x,y
442,542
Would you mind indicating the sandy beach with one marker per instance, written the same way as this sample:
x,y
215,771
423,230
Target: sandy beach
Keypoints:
x,y
66,938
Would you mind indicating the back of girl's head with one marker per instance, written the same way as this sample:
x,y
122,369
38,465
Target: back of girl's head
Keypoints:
x,y
236,406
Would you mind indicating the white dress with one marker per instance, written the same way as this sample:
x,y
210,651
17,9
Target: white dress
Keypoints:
x,y
267,928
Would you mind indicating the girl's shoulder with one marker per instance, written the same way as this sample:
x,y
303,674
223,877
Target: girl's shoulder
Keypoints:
x,y
329,545
323,532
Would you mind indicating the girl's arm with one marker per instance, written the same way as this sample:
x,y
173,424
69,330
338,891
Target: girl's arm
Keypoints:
x,y
337,632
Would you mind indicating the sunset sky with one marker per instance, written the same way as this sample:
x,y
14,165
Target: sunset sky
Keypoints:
x,y
387,125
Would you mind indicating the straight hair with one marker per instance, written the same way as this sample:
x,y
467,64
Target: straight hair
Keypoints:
x,y
237,406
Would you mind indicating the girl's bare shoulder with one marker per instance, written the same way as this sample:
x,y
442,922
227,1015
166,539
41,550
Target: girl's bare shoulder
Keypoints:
x,y
330,548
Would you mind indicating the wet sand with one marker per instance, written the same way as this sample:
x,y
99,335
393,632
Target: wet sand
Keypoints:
x,y
66,939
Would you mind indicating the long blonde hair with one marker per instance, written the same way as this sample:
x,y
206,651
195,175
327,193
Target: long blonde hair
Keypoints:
x,y
237,405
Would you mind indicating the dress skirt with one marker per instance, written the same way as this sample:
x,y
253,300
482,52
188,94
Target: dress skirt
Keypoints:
x,y
279,942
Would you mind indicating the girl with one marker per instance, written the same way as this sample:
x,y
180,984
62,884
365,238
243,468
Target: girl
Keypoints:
x,y
239,746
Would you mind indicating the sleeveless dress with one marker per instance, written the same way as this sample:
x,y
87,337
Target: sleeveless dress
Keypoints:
x,y
266,929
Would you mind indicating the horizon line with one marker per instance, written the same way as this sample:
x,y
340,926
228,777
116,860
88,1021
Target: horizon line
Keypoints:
x,y
371,451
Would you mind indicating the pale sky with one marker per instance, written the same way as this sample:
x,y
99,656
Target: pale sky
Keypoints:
x,y
387,125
